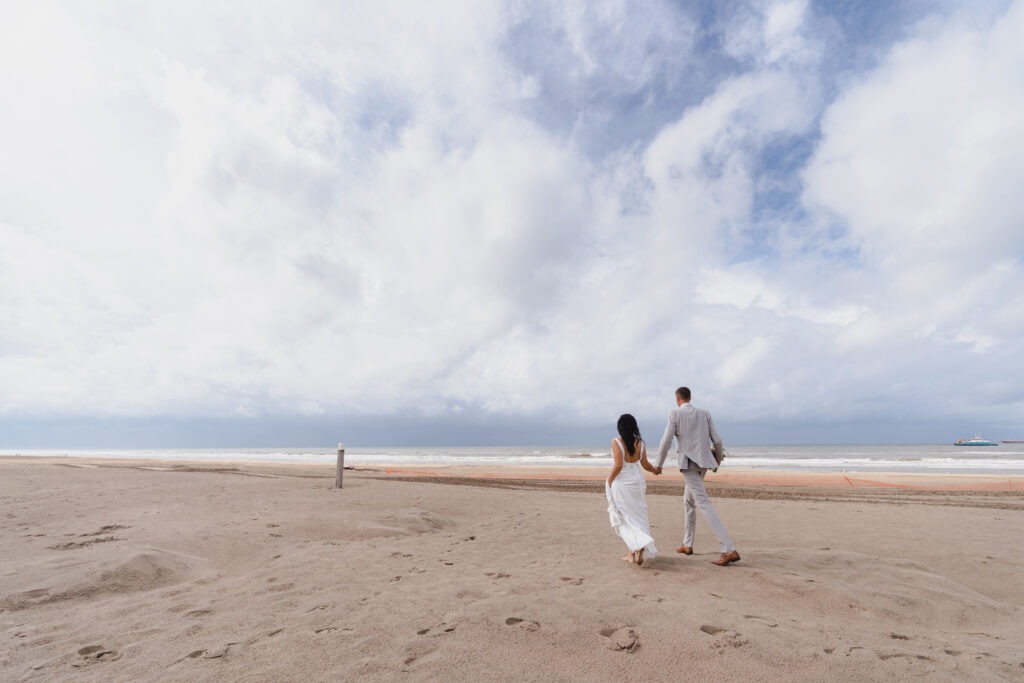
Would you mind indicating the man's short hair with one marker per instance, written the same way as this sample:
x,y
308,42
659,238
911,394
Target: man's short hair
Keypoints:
x,y
683,393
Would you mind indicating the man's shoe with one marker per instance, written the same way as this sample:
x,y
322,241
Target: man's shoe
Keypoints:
x,y
685,550
727,558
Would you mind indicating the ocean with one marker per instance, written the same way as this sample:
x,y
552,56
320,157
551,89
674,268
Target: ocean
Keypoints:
x,y
915,458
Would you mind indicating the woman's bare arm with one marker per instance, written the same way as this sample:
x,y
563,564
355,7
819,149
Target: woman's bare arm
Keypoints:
x,y
644,462
617,464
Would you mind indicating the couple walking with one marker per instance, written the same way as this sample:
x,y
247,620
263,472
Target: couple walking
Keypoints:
x,y
694,432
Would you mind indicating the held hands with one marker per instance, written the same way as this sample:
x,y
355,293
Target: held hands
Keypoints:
x,y
657,471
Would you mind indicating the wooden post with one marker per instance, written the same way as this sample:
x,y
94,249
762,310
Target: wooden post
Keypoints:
x,y
341,465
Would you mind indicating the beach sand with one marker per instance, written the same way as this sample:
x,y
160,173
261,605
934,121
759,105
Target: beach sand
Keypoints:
x,y
167,571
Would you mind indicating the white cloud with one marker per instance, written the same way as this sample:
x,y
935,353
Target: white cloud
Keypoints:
x,y
703,165
770,33
917,160
738,365
348,209
606,44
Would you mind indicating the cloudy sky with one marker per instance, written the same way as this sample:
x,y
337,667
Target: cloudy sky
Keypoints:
x,y
295,223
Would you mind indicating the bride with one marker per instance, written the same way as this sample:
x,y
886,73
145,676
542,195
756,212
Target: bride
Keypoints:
x,y
626,488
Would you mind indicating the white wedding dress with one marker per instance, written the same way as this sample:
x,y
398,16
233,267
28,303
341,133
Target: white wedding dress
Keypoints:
x,y
627,507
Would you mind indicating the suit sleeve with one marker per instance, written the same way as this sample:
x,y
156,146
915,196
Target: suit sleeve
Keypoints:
x,y
666,441
715,438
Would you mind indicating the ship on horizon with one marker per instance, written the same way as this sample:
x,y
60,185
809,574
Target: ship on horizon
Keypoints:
x,y
975,441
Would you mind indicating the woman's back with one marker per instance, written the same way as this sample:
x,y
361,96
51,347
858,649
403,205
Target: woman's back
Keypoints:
x,y
638,451
631,467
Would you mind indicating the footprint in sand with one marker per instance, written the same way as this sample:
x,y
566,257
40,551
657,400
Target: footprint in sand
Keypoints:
x,y
214,653
219,652
524,624
622,639
417,651
401,554
435,631
333,629
761,620
987,635
199,613
890,655
724,637
71,545
106,529
280,589
574,580
498,575
98,653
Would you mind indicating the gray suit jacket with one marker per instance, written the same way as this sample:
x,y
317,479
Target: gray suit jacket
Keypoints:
x,y
694,431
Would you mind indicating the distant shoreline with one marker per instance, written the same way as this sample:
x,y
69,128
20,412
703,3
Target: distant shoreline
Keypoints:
x,y
530,476
921,459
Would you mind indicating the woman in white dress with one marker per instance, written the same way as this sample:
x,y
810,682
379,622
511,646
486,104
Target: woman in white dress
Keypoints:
x,y
626,489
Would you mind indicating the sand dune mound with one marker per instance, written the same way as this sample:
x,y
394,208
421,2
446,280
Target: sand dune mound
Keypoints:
x,y
145,571
141,571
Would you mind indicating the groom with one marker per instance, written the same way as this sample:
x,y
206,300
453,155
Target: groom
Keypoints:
x,y
694,432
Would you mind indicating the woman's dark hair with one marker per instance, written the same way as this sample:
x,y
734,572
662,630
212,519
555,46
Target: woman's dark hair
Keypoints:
x,y
629,431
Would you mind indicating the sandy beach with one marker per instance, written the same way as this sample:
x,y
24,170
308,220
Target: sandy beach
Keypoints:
x,y
171,571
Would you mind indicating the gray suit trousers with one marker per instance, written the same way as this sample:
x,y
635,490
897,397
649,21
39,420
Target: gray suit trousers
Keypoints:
x,y
696,496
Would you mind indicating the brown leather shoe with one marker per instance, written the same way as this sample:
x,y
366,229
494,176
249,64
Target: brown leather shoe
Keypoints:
x,y
685,550
727,558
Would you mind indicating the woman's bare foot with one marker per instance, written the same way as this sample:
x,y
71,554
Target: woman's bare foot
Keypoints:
x,y
640,556
629,558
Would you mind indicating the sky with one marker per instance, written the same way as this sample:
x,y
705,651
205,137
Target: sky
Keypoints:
x,y
450,223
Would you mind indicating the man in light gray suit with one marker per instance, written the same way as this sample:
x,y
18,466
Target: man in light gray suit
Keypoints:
x,y
694,432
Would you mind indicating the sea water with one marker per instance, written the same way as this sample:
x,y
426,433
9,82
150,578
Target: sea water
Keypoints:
x,y
917,458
